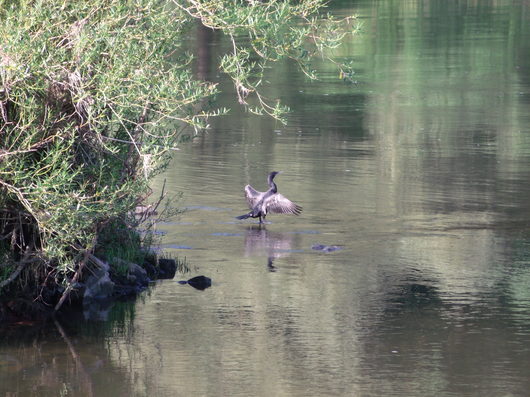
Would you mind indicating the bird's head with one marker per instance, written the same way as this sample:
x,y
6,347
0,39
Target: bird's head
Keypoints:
x,y
273,174
271,182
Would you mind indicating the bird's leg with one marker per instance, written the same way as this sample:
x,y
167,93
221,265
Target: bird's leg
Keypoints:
x,y
260,220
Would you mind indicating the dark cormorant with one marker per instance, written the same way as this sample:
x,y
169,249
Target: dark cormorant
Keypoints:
x,y
262,203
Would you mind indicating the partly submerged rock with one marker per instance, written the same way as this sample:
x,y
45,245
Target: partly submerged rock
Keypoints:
x,y
98,286
130,278
326,248
166,268
138,274
198,282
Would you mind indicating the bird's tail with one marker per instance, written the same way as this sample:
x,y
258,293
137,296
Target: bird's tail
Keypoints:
x,y
245,216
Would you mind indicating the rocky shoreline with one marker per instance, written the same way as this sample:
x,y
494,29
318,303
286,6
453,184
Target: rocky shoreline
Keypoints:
x,y
94,294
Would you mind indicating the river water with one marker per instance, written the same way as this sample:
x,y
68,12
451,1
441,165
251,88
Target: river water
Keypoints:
x,y
416,171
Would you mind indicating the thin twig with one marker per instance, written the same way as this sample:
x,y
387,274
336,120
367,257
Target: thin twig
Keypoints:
x,y
69,288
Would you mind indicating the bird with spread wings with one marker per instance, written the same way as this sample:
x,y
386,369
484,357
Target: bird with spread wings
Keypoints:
x,y
263,203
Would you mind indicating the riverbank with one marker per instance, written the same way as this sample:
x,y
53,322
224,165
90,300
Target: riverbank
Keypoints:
x,y
97,288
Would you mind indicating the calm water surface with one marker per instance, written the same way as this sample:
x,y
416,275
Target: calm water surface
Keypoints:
x,y
418,171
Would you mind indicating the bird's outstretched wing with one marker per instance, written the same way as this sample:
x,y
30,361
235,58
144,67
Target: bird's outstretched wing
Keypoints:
x,y
253,196
280,204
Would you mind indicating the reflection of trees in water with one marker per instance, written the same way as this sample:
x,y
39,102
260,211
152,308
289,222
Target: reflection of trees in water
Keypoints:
x,y
413,291
261,242
423,332
62,357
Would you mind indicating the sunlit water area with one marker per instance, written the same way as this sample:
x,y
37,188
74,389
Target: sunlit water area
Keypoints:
x,y
414,172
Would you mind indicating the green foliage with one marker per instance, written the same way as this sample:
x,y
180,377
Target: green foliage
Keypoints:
x,y
89,108
94,95
120,244
267,31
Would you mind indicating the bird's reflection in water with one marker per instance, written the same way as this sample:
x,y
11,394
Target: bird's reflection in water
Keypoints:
x,y
261,242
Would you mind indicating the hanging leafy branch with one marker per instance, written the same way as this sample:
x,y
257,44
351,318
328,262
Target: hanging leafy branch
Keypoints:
x,y
262,32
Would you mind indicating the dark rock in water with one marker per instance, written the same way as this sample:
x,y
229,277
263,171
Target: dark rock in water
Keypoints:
x,y
199,282
326,248
137,274
152,271
166,268
132,280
